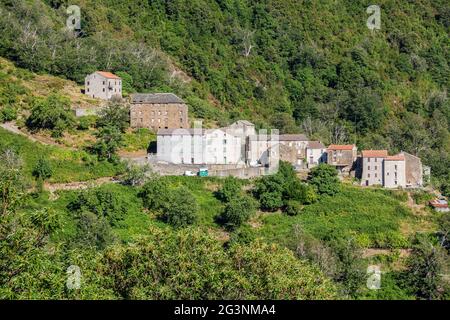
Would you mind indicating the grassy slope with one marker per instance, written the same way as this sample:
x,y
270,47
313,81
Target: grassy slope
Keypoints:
x,y
68,165
371,217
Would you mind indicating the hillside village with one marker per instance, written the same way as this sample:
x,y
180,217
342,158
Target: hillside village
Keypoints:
x,y
224,150
239,146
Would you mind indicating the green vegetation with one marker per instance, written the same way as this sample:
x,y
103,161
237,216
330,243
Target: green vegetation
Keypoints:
x,y
67,165
51,113
299,66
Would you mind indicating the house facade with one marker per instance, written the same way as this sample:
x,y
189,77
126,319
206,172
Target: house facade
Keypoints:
x,y
315,154
378,168
394,172
158,111
103,85
372,167
199,146
342,156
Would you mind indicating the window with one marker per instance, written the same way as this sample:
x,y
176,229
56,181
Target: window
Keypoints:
x,y
368,175
88,90
103,89
368,159
368,168
395,182
376,175
395,167
104,82
376,167
376,159
89,83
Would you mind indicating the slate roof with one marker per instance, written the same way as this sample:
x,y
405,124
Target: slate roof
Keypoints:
x,y
155,98
315,145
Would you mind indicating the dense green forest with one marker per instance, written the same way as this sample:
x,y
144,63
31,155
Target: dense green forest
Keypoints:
x,y
295,65
299,66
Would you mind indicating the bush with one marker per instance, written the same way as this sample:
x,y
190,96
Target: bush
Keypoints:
x,y
155,194
51,113
8,113
104,202
325,179
293,208
86,122
181,209
42,171
230,189
237,211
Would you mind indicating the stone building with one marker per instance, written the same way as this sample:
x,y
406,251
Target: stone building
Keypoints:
x,y
378,168
158,111
223,146
372,167
315,153
394,171
103,85
342,156
414,171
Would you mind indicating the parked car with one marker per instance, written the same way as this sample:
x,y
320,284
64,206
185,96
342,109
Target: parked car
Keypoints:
x,y
190,174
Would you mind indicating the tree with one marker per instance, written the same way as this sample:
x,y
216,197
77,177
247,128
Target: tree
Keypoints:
x,y
230,189
269,191
424,269
135,174
114,115
325,179
11,180
51,113
181,209
109,140
155,193
237,211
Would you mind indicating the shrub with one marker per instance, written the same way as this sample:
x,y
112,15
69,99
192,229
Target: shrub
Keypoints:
x,y
86,122
51,113
42,170
181,208
155,194
230,189
104,202
325,179
8,113
237,211
293,208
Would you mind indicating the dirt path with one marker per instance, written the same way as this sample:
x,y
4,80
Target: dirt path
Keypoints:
x,y
13,128
53,187
370,252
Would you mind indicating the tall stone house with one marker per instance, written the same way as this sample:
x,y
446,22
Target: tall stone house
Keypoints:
x,y
158,111
378,168
103,85
342,157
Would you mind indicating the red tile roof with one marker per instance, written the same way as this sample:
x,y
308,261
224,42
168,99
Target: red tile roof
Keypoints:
x,y
374,153
439,203
398,157
108,75
341,147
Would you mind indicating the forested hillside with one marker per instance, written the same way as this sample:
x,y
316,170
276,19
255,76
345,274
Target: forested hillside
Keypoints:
x,y
310,66
68,199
